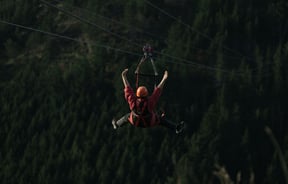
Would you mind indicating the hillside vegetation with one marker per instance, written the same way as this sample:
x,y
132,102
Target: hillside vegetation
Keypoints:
x,y
60,87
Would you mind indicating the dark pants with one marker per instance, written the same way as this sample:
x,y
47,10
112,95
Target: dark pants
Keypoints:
x,y
163,121
122,121
167,123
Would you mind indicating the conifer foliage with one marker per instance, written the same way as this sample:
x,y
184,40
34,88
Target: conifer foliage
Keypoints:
x,y
60,87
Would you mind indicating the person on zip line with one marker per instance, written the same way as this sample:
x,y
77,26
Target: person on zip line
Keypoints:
x,y
142,107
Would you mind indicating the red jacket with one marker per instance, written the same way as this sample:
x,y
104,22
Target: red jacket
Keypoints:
x,y
149,117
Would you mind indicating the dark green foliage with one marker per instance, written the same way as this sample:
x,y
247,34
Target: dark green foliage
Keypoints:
x,y
227,79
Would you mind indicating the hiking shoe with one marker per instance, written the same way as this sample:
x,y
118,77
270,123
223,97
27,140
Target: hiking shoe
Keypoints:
x,y
114,124
180,127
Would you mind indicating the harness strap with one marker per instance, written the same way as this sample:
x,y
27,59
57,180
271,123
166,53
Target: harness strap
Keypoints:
x,y
147,49
141,117
137,71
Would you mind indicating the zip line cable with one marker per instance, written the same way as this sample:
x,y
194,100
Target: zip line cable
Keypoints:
x,y
187,62
138,29
166,55
184,62
86,21
90,23
189,27
69,38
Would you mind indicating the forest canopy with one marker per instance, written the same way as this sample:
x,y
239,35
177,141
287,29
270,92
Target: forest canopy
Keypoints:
x,y
60,87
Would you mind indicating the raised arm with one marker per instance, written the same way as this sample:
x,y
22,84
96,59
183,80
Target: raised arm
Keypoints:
x,y
162,82
124,77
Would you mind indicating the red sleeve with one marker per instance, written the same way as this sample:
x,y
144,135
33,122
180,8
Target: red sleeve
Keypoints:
x,y
130,97
154,98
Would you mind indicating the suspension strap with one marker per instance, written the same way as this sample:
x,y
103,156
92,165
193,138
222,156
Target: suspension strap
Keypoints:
x,y
148,51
